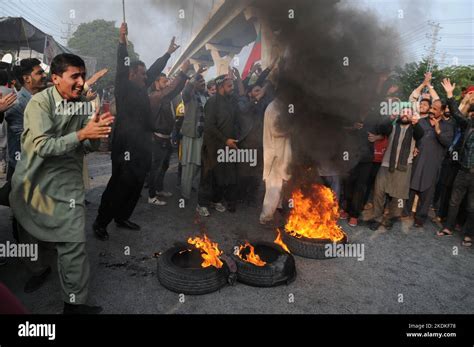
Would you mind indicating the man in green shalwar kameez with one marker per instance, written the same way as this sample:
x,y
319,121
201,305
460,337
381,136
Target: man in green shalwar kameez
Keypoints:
x,y
47,194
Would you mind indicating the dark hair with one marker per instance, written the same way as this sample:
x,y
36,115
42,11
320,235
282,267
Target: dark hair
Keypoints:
x,y
161,74
210,84
4,78
252,86
135,64
62,61
427,100
25,68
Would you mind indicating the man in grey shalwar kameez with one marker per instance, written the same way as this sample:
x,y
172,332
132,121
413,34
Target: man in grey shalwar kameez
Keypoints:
x,y
438,136
194,99
394,175
47,196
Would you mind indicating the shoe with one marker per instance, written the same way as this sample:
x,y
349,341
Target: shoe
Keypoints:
x,y
388,224
35,282
418,223
126,224
373,224
219,207
352,222
100,232
267,222
156,201
252,203
81,309
343,214
164,194
231,208
405,216
203,211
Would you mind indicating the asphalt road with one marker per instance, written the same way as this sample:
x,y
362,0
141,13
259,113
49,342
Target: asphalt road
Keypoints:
x,y
405,270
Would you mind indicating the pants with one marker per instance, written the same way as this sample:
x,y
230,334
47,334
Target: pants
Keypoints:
x,y
10,172
425,199
189,178
210,191
73,265
273,197
371,180
333,182
160,163
248,188
85,175
121,194
463,184
356,187
395,205
444,189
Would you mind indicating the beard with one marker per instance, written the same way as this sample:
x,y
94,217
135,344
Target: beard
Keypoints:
x,y
404,120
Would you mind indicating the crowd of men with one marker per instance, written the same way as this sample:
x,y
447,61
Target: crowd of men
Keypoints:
x,y
417,158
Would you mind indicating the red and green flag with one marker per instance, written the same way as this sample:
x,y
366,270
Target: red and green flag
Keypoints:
x,y
255,55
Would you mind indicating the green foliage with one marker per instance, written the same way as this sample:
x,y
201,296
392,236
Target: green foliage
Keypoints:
x,y
99,39
411,76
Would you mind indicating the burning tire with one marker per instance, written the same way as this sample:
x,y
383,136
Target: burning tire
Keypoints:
x,y
278,268
179,270
308,248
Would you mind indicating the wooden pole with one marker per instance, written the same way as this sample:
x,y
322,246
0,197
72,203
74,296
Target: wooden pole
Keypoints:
x,y
124,21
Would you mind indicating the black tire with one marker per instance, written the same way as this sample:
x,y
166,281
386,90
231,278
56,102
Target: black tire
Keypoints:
x,y
281,271
308,248
189,281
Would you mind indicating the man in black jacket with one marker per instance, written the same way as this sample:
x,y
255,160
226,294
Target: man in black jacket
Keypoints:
x,y
218,178
132,138
464,182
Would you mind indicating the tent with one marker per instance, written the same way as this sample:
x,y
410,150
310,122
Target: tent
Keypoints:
x,y
17,33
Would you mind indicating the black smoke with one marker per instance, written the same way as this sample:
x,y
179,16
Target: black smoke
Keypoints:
x,y
325,93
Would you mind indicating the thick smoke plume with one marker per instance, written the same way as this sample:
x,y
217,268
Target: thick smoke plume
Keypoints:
x,y
333,58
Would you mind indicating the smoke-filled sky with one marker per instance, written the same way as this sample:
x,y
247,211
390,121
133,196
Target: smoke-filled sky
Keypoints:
x,y
153,22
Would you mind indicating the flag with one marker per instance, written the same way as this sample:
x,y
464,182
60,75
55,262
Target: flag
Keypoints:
x,y
255,55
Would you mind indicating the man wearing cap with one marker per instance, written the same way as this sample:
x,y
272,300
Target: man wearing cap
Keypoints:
x,y
218,179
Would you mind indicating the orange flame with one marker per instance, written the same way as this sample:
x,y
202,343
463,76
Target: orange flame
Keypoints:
x,y
251,257
209,251
315,215
280,242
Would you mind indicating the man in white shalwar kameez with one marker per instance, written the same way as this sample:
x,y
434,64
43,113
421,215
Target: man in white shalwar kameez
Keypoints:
x,y
276,160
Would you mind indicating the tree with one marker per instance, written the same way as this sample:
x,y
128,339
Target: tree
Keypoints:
x,y
411,75
99,39
463,76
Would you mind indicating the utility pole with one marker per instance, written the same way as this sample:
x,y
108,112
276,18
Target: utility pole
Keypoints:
x,y
70,29
434,40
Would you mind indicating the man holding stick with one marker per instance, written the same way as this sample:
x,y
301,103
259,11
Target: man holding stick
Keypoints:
x,y
132,138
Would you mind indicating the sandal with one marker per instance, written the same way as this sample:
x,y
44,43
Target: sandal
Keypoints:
x,y
467,241
444,232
